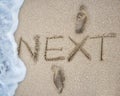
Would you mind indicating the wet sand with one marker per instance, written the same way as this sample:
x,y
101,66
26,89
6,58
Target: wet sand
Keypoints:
x,y
57,18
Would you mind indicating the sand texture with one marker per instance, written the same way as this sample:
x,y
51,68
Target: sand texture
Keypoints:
x,y
47,32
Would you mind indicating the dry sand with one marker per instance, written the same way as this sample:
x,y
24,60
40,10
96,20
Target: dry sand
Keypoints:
x,y
83,77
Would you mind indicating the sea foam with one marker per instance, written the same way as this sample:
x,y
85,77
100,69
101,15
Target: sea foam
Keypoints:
x,y
12,69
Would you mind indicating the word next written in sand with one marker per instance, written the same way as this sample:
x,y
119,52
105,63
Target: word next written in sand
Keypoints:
x,y
78,47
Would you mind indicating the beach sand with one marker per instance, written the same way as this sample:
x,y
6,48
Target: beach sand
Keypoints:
x,y
83,77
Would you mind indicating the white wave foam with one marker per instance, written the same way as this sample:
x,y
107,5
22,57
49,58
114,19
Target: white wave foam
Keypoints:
x,y
12,69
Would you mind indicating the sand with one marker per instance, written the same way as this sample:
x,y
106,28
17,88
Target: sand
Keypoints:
x,y
83,77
